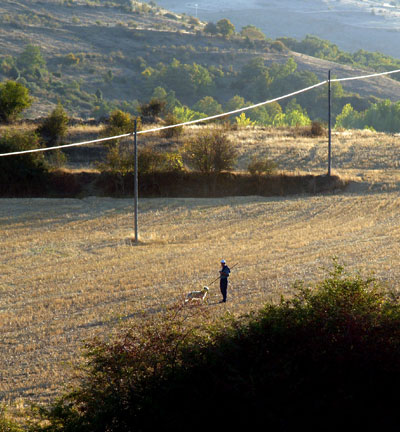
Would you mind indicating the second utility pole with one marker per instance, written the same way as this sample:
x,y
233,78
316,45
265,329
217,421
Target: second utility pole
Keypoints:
x,y
329,126
136,184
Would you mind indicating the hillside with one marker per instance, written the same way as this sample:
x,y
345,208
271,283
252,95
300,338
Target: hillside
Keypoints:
x,y
97,52
352,24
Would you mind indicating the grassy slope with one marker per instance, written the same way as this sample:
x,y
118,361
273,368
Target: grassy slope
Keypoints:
x,y
108,35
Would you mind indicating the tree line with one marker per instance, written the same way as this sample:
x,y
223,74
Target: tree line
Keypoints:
x,y
190,90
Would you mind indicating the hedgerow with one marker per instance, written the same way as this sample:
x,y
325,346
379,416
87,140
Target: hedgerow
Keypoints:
x,y
326,359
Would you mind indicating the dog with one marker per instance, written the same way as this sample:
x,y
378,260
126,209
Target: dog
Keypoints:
x,y
197,295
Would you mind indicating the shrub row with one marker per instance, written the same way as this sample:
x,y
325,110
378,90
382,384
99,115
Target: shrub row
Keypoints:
x,y
59,183
327,359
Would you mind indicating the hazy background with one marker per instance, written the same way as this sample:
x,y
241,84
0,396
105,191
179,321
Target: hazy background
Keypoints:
x,y
353,25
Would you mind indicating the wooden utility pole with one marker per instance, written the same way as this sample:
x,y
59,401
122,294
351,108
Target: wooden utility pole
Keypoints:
x,y
136,184
329,126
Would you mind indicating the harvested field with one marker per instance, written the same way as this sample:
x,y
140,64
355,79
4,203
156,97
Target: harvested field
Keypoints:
x,y
68,270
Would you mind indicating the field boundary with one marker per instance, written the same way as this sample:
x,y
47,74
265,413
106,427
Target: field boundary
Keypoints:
x,y
66,184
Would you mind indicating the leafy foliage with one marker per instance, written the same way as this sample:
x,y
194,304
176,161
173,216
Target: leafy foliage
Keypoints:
x,y
225,27
211,152
209,106
31,63
316,47
151,161
383,116
252,32
242,121
19,172
330,352
120,123
171,120
14,98
54,127
152,109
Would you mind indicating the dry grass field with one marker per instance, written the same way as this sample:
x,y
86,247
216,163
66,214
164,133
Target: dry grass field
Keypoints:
x,y
68,270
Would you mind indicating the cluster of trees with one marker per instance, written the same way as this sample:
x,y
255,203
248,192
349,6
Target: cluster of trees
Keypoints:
x,y
316,47
382,117
209,152
192,90
17,171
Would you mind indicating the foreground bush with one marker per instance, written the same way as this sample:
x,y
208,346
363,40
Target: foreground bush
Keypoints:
x,y
21,173
327,359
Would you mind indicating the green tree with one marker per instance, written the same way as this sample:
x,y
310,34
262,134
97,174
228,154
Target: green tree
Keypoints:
x,y
209,106
152,109
211,152
211,28
242,121
31,62
236,102
54,127
170,120
9,67
265,114
185,114
14,98
120,123
252,32
18,173
225,27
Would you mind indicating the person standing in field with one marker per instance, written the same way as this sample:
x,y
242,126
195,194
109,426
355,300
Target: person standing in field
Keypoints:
x,y
223,282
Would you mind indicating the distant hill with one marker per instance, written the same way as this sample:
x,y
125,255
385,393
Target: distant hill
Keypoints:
x,y
352,24
99,51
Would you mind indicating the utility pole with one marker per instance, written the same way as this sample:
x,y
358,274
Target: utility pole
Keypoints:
x,y
136,183
329,126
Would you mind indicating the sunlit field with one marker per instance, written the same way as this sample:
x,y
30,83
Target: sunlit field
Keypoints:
x,y
69,271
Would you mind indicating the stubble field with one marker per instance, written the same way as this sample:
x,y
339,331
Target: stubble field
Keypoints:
x,y
68,270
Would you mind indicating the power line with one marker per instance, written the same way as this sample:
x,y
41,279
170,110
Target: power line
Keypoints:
x,y
191,122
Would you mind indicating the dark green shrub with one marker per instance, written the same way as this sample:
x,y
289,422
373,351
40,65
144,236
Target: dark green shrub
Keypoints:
x,y
120,123
151,161
54,127
225,27
211,152
211,28
14,98
327,359
20,174
278,46
31,62
152,109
